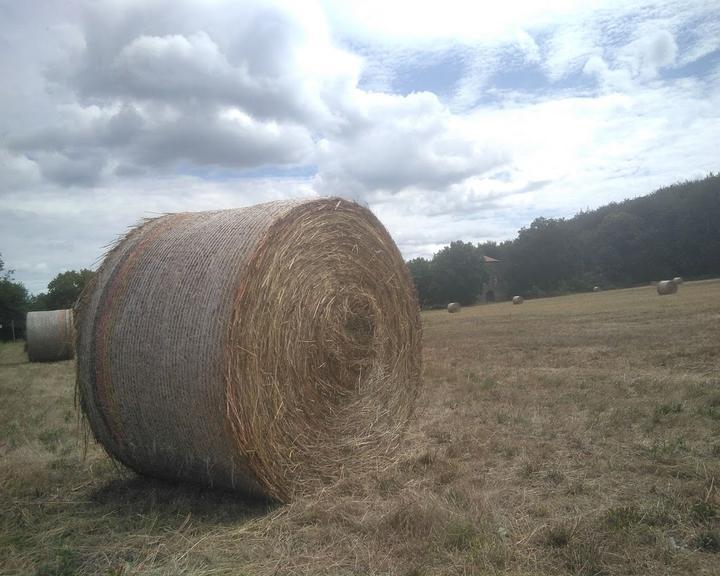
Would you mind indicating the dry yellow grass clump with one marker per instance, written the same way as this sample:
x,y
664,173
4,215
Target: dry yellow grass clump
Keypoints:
x,y
576,436
267,349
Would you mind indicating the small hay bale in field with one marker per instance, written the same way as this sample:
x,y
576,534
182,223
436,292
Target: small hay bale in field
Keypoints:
x,y
518,300
678,280
666,287
597,289
49,335
267,349
453,307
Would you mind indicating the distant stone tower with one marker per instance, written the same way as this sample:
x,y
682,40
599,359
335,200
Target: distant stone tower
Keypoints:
x,y
494,288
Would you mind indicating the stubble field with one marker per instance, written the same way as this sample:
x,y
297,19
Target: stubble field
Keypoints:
x,y
574,435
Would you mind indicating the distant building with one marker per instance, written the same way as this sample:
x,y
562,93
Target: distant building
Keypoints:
x,y
494,288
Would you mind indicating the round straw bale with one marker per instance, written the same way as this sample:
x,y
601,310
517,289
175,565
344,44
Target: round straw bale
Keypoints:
x,y
264,349
518,300
597,289
666,287
453,307
49,335
678,280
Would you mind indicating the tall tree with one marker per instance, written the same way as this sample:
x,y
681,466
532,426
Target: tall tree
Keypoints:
x,y
63,290
421,271
458,274
13,304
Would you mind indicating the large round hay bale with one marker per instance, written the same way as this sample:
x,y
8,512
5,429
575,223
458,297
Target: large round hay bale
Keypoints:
x,y
264,349
597,289
453,307
678,280
49,335
666,287
517,300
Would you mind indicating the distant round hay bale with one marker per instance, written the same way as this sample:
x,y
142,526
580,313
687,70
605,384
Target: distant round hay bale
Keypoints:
x,y
678,280
453,307
49,335
597,289
666,287
264,349
518,300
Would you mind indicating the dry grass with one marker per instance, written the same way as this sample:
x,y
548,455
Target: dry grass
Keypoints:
x,y
575,435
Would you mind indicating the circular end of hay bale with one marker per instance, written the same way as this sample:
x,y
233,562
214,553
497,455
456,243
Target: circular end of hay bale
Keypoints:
x,y
49,335
678,280
666,287
285,339
518,300
453,307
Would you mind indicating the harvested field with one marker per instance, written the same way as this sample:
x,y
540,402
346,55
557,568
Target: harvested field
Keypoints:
x,y
574,435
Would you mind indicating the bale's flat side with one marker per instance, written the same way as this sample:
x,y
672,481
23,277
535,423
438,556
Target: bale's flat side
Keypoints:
x,y
209,342
453,307
328,335
50,335
517,300
666,287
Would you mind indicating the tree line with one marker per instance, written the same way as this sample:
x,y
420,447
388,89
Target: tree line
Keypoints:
x,y
675,231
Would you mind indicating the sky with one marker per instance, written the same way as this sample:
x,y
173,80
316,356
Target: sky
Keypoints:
x,y
450,120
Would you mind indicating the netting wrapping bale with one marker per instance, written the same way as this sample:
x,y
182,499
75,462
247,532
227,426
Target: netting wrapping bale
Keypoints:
x,y
517,300
666,287
49,335
453,307
678,280
263,349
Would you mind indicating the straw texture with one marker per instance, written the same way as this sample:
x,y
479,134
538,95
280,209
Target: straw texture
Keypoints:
x,y
666,287
265,349
49,335
453,307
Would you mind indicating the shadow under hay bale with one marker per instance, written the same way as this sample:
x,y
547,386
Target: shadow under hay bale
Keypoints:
x,y
266,349
453,307
49,335
142,495
518,300
666,287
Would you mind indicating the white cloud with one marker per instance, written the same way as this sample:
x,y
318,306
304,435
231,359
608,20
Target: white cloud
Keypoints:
x,y
401,142
50,231
644,57
423,22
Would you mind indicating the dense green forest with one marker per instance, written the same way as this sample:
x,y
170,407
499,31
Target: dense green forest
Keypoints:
x,y
674,231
